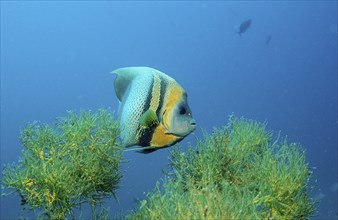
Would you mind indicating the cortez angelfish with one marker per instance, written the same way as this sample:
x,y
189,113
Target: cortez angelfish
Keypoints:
x,y
154,112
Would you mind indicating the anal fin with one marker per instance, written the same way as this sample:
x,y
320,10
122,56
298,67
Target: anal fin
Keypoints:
x,y
147,150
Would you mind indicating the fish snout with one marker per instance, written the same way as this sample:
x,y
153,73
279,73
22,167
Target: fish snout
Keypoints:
x,y
193,124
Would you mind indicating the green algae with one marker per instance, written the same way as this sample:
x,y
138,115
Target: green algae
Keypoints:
x,y
75,162
237,172
234,173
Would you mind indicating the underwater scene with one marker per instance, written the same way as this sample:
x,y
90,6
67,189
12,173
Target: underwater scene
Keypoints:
x,y
169,110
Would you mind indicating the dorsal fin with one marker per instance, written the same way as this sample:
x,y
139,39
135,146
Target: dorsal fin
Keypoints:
x,y
125,76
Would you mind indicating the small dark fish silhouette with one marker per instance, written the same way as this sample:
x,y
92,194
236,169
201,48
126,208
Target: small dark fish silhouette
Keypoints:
x,y
267,40
23,200
244,26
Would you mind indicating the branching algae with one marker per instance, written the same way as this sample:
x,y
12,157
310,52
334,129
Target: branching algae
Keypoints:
x,y
234,173
237,172
77,161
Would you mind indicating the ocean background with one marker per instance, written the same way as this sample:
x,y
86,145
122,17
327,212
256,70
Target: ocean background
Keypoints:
x,y
57,55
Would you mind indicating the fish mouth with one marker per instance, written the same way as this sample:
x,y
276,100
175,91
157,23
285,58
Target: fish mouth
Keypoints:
x,y
193,125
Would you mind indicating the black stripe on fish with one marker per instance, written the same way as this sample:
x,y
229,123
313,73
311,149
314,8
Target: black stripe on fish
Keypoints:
x,y
146,134
149,97
162,95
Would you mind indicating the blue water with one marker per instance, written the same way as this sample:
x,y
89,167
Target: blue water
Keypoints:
x,y
56,56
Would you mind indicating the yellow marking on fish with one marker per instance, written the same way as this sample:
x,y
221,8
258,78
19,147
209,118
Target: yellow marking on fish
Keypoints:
x,y
172,97
155,93
160,138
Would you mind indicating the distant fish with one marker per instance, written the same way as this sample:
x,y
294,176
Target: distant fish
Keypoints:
x,y
244,26
267,40
23,200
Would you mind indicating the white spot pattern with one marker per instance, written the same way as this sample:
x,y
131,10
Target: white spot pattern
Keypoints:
x,y
132,107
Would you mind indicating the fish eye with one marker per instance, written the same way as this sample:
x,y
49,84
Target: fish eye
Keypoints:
x,y
182,110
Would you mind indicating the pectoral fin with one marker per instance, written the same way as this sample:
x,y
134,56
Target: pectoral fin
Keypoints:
x,y
149,119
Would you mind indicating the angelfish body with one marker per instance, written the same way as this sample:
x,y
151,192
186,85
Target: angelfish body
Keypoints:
x,y
154,111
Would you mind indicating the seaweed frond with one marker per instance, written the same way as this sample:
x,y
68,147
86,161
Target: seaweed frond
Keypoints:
x,y
63,166
234,173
